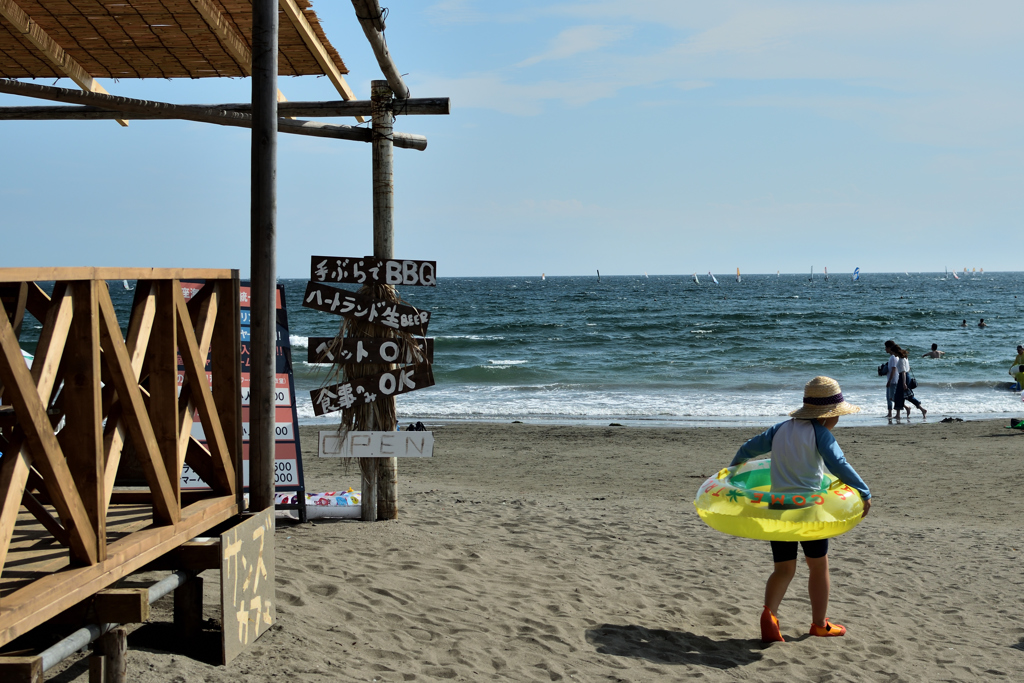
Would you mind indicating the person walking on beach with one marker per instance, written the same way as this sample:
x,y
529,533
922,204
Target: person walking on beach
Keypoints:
x,y
934,353
903,391
890,378
801,449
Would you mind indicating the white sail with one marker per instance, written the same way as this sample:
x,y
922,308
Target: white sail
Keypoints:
x,y
712,277
856,274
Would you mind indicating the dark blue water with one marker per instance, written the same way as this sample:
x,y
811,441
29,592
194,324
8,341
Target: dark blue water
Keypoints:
x,y
667,350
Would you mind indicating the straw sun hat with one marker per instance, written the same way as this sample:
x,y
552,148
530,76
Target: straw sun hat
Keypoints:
x,y
824,398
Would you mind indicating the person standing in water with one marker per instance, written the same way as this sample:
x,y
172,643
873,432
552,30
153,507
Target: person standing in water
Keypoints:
x,y
934,353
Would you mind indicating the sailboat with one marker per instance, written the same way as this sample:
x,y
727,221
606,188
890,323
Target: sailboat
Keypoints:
x,y
856,274
695,278
955,276
646,275
777,273
826,275
543,277
811,278
125,284
712,277
738,275
599,276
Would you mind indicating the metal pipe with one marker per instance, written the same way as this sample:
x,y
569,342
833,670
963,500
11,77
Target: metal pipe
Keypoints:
x,y
60,651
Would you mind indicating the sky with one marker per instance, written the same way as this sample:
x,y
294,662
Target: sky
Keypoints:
x,y
657,136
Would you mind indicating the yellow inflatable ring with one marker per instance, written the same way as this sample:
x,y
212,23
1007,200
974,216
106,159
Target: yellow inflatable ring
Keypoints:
x,y
739,501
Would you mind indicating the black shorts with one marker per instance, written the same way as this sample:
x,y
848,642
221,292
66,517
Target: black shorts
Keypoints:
x,y
784,551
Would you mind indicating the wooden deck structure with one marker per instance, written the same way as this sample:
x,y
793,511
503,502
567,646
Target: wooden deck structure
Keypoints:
x,y
64,535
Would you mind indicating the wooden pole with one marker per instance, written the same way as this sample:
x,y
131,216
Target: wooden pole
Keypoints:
x,y
263,255
420,106
112,646
123,106
371,18
384,247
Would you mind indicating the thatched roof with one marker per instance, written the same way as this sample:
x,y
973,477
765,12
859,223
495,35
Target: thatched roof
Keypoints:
x,y
153,38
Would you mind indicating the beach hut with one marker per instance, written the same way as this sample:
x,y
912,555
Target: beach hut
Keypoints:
x,y
85,41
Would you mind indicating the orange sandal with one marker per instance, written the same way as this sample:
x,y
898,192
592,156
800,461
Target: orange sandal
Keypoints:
x,y
829,630
770,631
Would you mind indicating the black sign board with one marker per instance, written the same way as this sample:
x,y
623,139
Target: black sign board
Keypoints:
x,y
355,306
368,389
367,350
372,271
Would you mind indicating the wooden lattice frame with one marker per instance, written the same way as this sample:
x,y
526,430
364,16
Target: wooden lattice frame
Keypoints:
x,y
109,388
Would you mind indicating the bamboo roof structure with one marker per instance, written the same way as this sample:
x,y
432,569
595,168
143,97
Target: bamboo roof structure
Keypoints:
x,y
154,39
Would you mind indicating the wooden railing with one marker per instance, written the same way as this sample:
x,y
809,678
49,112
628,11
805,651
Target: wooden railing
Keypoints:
x,y
65,422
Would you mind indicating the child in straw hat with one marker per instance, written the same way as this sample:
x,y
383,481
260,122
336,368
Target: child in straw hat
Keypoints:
x,y
801,448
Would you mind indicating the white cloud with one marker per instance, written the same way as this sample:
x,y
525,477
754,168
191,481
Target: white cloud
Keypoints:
x,y
578,40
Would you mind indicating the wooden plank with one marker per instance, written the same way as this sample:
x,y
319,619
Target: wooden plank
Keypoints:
x,y
48,596
202,311
372,444
226,371
322,297
53,52
49,274
373,350
21,669
46,452
161,356
134,414
112,647
195,372
368,270
122,605
418,106
247,582
360,390
81,440
309,37
188,609
14,471
43,516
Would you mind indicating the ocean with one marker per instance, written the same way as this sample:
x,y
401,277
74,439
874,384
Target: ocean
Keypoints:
x,y
664,350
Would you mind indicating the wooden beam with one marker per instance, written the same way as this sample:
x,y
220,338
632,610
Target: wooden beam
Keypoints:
x,y
134,414
217,116
122,605
53,52
309,37
81,440
417,106
162,358
43,446
50,595
22,669
371,18
87,273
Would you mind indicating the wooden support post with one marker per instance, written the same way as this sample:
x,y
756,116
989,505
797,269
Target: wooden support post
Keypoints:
x,y
188,608
113,647
384,248
263,254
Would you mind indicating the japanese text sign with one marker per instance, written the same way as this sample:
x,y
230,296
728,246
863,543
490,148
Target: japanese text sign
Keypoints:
x,y
337,397
358,307
372,271
368,350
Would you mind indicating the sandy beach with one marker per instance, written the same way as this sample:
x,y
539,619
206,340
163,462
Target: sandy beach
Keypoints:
x,y
536,553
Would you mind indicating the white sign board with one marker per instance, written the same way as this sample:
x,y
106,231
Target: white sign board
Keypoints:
x,y
376,444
